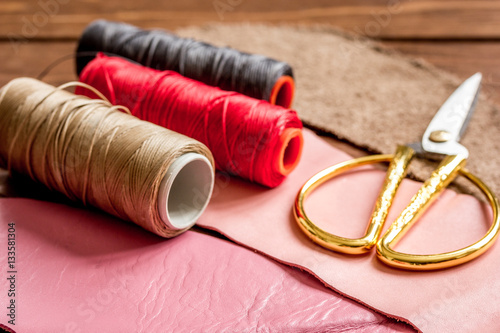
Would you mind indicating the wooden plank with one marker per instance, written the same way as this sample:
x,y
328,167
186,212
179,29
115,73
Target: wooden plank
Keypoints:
x,y
385,19
31,59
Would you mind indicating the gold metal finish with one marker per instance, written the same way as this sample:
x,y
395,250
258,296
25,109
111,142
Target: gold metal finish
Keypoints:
x,y
441,177
428,192
326,239
393,178
440,136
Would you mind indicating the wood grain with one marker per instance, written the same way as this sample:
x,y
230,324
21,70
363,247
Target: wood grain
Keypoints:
x,y
385,19
30,59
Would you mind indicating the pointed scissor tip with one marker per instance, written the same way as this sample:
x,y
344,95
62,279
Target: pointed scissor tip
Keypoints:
x,y
476,78
472,86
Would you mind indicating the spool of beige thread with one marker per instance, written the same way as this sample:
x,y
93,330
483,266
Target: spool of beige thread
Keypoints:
x,y
93,152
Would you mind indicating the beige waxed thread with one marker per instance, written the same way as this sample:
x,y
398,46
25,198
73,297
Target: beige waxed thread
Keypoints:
x,y
89,150
63,110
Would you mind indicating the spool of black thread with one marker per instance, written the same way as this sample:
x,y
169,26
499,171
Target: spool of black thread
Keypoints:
x,y
229,69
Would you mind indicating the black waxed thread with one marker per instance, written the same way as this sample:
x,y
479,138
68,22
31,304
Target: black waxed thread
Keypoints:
x,y
227,68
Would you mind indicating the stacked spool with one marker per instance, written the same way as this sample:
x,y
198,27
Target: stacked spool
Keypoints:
x,y
249,138
253,75
96,153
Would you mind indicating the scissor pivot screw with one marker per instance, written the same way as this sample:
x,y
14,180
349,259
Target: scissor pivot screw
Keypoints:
x,y
440,136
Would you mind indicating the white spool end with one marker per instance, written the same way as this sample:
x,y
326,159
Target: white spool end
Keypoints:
x,y
185,190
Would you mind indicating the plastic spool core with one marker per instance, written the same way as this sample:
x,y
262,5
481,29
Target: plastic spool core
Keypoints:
x,y
185,190
283,92
291,143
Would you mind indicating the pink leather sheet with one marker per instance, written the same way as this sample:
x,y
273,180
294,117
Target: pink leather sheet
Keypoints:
x,y
460,299
83,271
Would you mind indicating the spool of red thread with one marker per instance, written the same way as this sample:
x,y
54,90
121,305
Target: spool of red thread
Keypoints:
x,y
248,137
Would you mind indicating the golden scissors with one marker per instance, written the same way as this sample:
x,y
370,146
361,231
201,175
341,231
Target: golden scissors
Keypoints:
x,y
440,139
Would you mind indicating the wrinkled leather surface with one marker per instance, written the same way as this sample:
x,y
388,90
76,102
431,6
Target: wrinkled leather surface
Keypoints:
x,y
459,299
83,271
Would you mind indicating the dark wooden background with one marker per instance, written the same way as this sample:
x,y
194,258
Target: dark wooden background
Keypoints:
x,y
459,36
462,37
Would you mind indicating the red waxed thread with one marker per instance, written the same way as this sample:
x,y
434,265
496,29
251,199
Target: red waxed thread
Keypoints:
x,y
250,138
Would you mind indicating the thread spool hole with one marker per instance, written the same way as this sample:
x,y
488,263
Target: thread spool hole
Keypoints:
x,y
283,91
292,142
292,151
189,184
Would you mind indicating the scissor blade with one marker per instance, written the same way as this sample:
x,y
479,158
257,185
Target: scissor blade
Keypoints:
x,y
449,123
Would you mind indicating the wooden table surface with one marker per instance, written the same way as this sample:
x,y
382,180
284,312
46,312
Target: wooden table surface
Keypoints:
x,y
462,37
